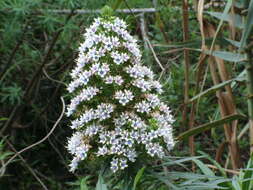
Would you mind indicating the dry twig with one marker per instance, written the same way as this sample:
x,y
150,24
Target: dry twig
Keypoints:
x,y
40,141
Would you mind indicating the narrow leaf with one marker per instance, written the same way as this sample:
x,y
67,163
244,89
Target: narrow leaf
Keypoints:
x,y
101,184
233,42
207,171
3,119
248,25
236,184
138,177
210,90
235,18
226,10
209,126
83,185
248,174
190,43
227,56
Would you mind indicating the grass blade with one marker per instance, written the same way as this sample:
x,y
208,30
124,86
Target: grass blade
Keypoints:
x,y
138,177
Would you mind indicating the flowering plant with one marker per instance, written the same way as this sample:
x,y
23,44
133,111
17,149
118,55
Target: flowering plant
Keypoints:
x,y
118,114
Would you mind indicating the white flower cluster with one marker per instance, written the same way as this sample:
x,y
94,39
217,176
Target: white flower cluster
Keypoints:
x,y
86,94
117,112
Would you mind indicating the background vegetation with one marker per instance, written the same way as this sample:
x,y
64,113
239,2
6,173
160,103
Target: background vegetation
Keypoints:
x,y
200,50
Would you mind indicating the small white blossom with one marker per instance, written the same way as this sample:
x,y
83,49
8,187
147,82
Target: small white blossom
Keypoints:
x,y
118,80
103,111
138,71
153,100
143,107
103,70
114,165
124,96
74,142
92,130
119,58
102,151
123,163
157,86
142,84
74,163
109,79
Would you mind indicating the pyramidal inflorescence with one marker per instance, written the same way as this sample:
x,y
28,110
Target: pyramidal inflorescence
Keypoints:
x,y
116,109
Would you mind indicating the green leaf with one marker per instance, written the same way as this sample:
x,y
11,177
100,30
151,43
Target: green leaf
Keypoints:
x,y
107,11
209,126
233,42
247,26
235,18
5,155
138,177
203,168
248,174
101,184
235,183
210,90
4,119
190,43
224,174
227,56
83,185
226,10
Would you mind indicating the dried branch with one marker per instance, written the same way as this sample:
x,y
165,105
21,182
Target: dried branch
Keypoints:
x,y
40,141
146,40
26,165
226,170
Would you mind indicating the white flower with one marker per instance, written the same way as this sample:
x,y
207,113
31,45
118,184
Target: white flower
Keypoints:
x,y
115,41
86,117
75,124
131,155
85,95
114,165
113,99
92,130
157,86
103,111
81,151
117,57
153,100
138,71
143,107
123,163
74,142
102,151
103,70
109,79
74,163
142,84
118,80
124,96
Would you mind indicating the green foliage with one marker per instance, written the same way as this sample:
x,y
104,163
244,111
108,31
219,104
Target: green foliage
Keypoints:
x,y
11,94
28,31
